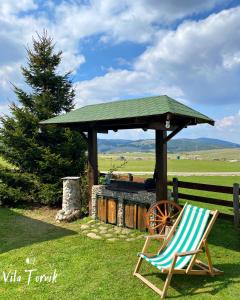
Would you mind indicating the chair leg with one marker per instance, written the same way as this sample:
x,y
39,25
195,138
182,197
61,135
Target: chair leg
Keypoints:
x,y
169,277
151,285
143,279
209,260
166,285
138,265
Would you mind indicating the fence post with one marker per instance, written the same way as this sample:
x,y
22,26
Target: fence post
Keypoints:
x,y
175,190
236,204
130,177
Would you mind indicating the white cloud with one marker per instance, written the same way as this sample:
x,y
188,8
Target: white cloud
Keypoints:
x,y
8,7
124,20
231,60
230,123
117,83
189,63
72,21
4,110
194,58
71,62
8,74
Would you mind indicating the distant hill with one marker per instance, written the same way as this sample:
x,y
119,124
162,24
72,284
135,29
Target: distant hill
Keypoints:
x,y
176,145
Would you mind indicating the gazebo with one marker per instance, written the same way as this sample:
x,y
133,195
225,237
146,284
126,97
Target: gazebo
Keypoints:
x,y
159,113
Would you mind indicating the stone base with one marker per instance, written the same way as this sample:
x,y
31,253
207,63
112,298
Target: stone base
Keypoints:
x,y
68,216
71,206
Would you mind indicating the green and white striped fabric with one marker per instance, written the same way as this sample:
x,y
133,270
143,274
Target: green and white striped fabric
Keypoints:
x,y
187,238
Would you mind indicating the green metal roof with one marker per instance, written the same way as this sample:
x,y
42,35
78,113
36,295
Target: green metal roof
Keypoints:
x,y
124,109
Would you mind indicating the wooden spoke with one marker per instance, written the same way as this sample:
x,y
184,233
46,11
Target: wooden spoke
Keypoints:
x,y
161,214
157,226
155,215
175,215
165,209
158,208
156,220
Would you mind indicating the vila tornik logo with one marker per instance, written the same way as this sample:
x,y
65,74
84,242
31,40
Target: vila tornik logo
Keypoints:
x,y
28,275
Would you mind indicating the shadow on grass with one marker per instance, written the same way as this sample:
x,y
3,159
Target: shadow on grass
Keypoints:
x,y
225,235
18,231
187,285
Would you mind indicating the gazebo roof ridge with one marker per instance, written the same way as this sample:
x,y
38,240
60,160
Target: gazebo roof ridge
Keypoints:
x,y
129,108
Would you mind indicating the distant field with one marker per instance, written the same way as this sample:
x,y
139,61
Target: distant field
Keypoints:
x,y
218,154
222,154
146,163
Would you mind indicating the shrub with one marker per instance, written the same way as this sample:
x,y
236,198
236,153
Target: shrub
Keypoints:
x,y
17,188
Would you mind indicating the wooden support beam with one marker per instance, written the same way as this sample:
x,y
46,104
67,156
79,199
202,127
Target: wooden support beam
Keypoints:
x,y
160,126
161,165
105,131
173,133
92,163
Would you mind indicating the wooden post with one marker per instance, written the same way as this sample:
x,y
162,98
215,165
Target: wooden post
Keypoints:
x,y
161,165
236,204
130,177
175,189
92,164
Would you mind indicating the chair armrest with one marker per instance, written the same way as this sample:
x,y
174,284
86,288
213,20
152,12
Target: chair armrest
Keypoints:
x,y
188,253
156,236
151,237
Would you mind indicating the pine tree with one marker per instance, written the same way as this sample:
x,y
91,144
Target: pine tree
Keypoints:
x,y
51,153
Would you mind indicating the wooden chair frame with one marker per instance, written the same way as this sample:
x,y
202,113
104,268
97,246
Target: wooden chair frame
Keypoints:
x,y
202,268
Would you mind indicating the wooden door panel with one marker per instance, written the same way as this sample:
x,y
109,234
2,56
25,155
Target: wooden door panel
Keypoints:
x,y
102,209
141,218
130,215
112,211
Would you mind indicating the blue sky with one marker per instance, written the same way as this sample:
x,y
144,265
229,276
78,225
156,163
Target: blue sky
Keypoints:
x,y
189,50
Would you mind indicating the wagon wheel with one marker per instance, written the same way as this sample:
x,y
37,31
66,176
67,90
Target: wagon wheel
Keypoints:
x,y
161,216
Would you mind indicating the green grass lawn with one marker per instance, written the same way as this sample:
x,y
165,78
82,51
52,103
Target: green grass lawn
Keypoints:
x,y
146,164
99,269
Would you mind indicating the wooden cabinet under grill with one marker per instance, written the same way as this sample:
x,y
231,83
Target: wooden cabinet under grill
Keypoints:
x,y
107,210
134,215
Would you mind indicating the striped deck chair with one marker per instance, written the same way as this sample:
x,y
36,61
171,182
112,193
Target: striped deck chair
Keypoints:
x,y
178,253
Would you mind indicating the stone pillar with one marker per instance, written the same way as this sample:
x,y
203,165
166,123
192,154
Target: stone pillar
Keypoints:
x,y
120,212
95,190
71,206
